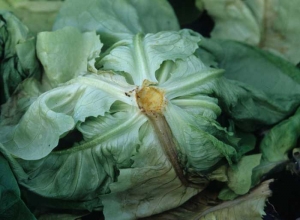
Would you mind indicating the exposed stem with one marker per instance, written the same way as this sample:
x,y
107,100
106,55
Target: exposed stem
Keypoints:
x,y
165,137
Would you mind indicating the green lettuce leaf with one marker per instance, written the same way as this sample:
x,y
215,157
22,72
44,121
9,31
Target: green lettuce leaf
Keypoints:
x,y
204,206
17,54
227,26
60,65
252,94
25,94
37,15
57,111
89,166
281,139
198,80
270,25
275,147
67,53
239,177
12,206
117,20
142,55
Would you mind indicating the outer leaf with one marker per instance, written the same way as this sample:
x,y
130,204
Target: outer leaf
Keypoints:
x,y
253,91
264,75
12,207
56,112
17,52
150,186
248,207
239,177
227,26
276,145
88,167
38,15
117,20
19,102
155,16
65,53
250,108
143,55
270,25
281,139
96,160
247,142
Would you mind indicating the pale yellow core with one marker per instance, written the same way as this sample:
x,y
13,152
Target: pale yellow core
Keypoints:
x,y
150,99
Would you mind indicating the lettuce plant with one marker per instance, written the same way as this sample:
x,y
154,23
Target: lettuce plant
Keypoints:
x,y
130,115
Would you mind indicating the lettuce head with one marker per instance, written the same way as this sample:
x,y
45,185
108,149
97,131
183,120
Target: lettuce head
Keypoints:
x,y
126,115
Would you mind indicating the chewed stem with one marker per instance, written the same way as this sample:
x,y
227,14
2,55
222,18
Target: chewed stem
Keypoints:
x,y
165,137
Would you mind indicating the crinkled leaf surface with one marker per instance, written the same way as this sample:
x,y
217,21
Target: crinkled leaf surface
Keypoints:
x,y
143,55
250,206
90,166
117,20
149,187
197,140
61,61
57,111
198,79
